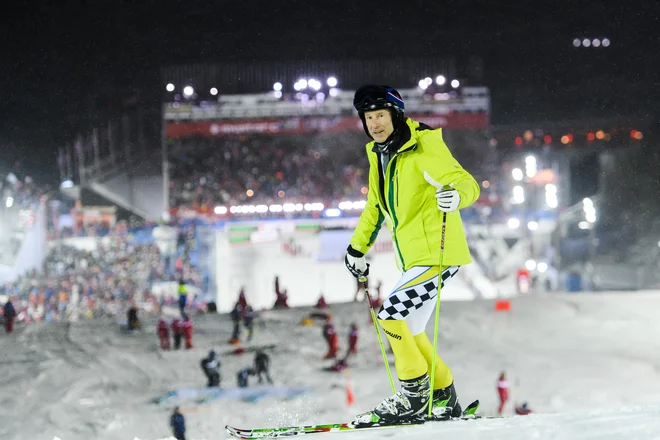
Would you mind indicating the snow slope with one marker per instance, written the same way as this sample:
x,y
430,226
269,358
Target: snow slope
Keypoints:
x,y
567,355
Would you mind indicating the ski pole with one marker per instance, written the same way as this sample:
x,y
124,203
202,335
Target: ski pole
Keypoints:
x,y
437,310
380,340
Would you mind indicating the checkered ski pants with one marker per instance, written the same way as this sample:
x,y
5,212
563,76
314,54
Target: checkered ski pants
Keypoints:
x,y
412,299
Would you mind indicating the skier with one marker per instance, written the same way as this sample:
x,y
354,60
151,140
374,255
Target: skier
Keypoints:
x,y
262,366
211,366
236,315
178,424
9,313
502,391
248,321
414,183
187,331
163,334
330,336
177,331
242,377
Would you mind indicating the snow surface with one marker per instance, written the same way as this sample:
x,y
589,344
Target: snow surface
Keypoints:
x,y
588,364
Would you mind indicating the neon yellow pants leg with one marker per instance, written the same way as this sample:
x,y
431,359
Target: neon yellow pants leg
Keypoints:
x,y
409,361
443,376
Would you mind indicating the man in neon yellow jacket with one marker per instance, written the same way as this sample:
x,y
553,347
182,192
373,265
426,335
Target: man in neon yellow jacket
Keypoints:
x,y
413,179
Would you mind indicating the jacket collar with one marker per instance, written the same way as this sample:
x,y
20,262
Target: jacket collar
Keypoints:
x,y
405,141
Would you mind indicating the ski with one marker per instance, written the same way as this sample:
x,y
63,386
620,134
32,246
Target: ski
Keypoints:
x,y
289,431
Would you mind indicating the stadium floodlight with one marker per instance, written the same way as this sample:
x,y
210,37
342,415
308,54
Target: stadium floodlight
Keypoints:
x,y
422,84
169,87
303,83
214,91
518,194
188,91
530,264
542,267
9,202
606,42
577,42
333,92
428,81
320,97
332,81
278,94
586,42
220,210
277,86
332,212
532,226
513,223
314,84
455,83
517,174
440,80
595,42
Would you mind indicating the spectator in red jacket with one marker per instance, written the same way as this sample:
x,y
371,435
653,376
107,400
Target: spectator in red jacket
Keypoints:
x,y
187,331
163,334
502,391
177,331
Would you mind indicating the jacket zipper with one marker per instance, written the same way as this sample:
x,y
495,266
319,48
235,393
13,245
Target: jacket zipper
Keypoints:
x,y
392,212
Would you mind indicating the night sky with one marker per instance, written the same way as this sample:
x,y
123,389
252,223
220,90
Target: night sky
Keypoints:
x,y
57,60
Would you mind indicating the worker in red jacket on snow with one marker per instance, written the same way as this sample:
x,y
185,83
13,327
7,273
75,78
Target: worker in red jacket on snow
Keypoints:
x,y
187,331
163,334
352,339
330,336
502,391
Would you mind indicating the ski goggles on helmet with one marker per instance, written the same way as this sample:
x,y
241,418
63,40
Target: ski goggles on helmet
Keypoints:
x,y
377,97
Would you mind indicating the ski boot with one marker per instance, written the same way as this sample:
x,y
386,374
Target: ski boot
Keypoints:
x,y
445,404
405,407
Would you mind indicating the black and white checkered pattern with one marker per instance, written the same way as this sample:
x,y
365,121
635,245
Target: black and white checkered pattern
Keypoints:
x,y
400,303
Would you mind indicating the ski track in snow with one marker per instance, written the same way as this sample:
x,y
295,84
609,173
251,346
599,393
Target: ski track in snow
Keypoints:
x,y
588,364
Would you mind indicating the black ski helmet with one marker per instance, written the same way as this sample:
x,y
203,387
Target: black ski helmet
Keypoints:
x,y
373,97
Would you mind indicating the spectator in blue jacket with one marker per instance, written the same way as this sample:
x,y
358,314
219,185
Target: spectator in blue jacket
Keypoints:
x,y
178,424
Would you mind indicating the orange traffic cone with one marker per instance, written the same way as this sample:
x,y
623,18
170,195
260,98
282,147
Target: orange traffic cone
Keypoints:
x,y
350,397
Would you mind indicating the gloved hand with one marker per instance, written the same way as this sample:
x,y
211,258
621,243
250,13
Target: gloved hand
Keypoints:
x,y
448,199
356,263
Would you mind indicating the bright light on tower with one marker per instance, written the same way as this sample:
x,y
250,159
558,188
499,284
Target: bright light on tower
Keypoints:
x,y
214,91
577,42
332,81
422,84
440,80
188,91
455,83
169,87
277,86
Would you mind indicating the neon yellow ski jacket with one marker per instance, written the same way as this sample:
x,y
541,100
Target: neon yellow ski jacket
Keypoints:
x,y
407,201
